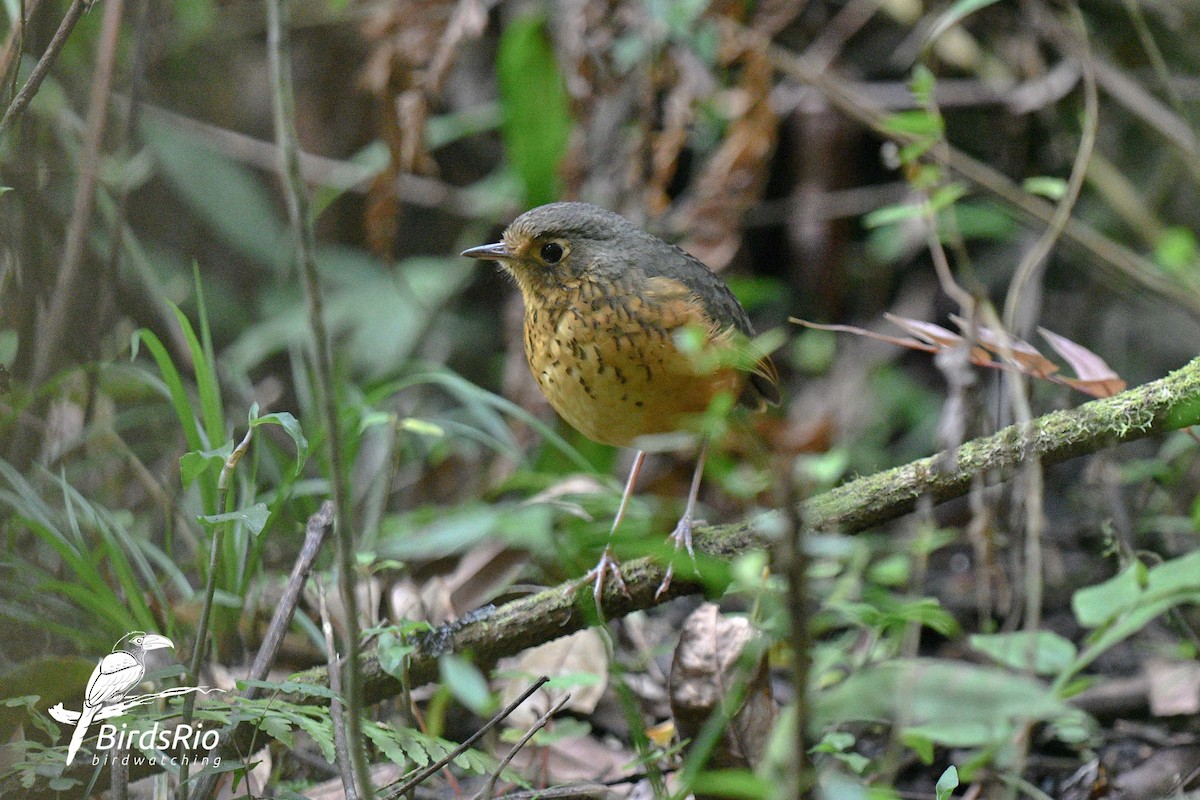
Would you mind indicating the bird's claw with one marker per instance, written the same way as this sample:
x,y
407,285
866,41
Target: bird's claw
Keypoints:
x,y
682,536
607,565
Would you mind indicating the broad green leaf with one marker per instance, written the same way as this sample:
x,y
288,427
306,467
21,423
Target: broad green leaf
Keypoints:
x,y
535,110
229,197
922,84
1176,249
950,703
392,652
1097,604
254,518
737,783
915,123
466,683
945,196
195,463
890,215
1051,653
291,426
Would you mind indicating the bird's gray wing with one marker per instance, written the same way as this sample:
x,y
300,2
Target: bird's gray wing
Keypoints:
x,y
720,305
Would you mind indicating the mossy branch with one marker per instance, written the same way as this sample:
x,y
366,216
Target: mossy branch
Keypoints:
x,y
1164,405
1157,407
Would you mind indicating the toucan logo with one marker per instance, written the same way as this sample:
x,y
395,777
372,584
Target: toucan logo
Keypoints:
x,y
115,676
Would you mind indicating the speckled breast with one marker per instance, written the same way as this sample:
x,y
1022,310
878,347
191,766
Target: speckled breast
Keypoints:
x,y
606,360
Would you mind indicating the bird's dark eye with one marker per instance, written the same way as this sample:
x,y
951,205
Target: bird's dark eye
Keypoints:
x,y
552,252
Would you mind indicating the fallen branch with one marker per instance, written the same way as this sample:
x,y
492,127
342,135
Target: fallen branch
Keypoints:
x,y
1168,404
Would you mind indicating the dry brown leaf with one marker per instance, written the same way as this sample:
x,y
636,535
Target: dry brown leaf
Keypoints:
x,y
1096,378
928,331
706,667
578,758
1094,375
1026,355
429,602
581,653
413,44
368,595
1174,688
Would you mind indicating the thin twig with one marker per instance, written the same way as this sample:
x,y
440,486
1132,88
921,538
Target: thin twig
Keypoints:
x,y
13,44
391,793
344,767
1062,213
487,791
42,67
283,106
795,564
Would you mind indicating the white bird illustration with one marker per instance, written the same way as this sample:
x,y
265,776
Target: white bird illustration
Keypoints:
x,y
114,676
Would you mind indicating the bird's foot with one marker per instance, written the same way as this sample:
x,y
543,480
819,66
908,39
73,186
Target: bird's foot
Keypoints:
x,y
682,536
606,566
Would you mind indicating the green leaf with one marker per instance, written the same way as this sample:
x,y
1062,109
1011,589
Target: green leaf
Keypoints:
x,y
917,122
1050,652
254,518
291,426
235,203
1096,605
739,783
392,652
947,783
833,742
890,215
920,744
423,427
1176,249
1052,188
170,375
922,84
949,703
467,684
536,120
946,196
195,463
205,371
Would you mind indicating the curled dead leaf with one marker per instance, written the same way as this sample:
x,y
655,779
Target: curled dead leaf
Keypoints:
x,y
1094,376
578,661
707,674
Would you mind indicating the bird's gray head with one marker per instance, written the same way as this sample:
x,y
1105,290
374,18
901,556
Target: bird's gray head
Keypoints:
x,y
553,243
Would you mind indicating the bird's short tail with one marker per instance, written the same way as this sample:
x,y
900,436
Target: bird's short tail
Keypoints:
x,y
81,727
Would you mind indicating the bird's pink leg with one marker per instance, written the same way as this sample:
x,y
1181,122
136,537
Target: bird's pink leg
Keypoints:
x,y
682,535
608,564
